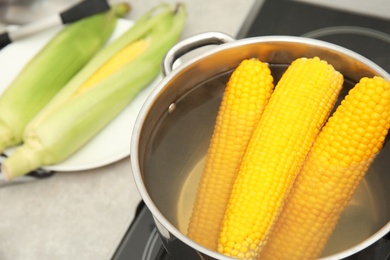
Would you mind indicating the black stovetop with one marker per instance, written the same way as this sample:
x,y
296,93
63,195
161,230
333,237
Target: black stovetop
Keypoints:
x,y
368,36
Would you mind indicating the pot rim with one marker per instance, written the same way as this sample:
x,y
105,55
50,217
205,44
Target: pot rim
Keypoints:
x,y
136,172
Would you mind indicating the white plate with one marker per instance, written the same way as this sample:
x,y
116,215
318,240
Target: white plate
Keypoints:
x,y
113,142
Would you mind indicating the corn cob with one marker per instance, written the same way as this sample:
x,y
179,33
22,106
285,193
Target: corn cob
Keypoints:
x,y
70,120
297,109
50,69
246,94
338,161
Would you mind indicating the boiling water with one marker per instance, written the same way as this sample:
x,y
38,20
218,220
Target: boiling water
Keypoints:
x,y
187,196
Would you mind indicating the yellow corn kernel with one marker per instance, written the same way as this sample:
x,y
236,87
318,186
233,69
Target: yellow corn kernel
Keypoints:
x,y
245,97
124,56
297,109
340,156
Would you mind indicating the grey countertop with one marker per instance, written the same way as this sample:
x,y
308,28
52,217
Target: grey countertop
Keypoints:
x,y
83,215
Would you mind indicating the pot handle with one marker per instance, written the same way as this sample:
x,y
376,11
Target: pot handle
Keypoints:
x,y
192,43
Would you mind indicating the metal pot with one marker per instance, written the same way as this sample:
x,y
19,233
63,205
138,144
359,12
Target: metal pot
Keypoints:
x,y
174,127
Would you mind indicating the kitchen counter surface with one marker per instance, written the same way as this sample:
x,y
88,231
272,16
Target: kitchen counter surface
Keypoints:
x,y
83,215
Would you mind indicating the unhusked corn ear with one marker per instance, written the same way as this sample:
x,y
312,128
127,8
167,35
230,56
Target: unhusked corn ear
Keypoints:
x,y
297,109
49,70
108,63
339,159
69,121
246,94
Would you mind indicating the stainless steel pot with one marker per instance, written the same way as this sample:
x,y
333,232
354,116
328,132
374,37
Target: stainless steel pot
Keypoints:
x,y
175,124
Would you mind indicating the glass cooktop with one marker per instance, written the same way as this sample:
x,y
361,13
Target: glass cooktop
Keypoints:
x,y
366,35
